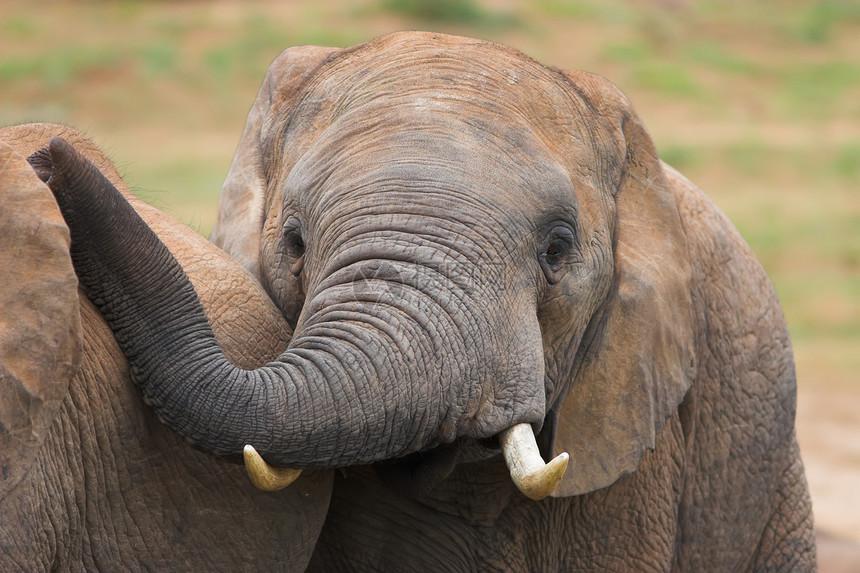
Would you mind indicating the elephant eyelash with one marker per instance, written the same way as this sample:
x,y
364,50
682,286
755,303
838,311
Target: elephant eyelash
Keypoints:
x,y
553,257
562,244
562,241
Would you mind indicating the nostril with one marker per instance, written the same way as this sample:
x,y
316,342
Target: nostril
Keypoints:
x,y
41,163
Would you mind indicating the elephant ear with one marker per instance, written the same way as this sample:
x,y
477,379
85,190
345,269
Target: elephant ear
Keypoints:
x,y
239,223
40,329
640,360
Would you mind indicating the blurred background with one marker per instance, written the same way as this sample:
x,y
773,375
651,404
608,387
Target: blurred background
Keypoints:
x,y
758,103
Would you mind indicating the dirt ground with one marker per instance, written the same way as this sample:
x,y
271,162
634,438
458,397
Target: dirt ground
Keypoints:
x,y
828,426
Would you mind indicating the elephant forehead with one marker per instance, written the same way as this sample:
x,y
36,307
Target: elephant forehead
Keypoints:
x,y
456,163
421,77
391,62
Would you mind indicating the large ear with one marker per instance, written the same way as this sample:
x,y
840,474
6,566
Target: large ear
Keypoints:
x,y
641,358
239,223
40,329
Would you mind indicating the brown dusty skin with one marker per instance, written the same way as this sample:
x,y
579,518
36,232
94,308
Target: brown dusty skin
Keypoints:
x,y
111,488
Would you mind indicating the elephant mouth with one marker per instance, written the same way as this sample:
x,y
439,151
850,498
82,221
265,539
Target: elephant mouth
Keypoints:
x,y
423,470
420,472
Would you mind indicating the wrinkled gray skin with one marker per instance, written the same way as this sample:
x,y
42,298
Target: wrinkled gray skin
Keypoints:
x,y
451,154
466,240
90,480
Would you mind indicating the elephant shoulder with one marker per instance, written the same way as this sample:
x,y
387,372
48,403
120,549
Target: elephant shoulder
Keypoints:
x,y
739,315
740,410
722,261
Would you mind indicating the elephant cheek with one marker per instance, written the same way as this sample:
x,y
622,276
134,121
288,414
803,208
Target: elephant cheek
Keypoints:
x,y
517,393
285,289
569,317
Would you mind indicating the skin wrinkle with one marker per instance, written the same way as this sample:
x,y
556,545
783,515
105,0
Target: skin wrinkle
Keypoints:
x,y
428,204
401,251
391,130
471,254
93,476
422,317
366,401
340,233
299,106
427,326
359,348
780,528
424,308
405,178
186,393
335,361
425,320
719,353
575,336
586,163
422,247
380,375
306,362
227,414
426,272
450,78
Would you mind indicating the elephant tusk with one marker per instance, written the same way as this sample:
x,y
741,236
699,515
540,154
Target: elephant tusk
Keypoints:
x,y
528,471
264,476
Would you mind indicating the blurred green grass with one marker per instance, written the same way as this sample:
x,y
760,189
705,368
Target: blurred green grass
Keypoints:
x,y
758,103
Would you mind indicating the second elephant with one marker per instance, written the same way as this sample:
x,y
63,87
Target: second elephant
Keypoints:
x,y
90,480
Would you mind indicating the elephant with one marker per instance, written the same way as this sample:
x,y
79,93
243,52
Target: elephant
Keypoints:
x,y
89,478
484,264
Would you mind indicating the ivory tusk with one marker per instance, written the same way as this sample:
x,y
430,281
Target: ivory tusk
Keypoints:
x,y
528,471
264,476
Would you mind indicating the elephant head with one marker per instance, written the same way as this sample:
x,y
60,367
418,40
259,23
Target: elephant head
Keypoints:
x,y
467,243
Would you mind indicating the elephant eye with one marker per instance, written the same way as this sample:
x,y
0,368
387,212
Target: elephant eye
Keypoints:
x,y
561,242
293,241
553,253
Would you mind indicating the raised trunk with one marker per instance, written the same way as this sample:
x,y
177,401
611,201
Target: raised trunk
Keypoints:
x,y
345,392
366,379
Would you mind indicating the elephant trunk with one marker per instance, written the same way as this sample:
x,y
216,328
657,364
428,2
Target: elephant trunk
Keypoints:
x,y
364,379
325,402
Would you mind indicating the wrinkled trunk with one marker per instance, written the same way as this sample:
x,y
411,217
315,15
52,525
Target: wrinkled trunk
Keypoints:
x,y
377,369
364,380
